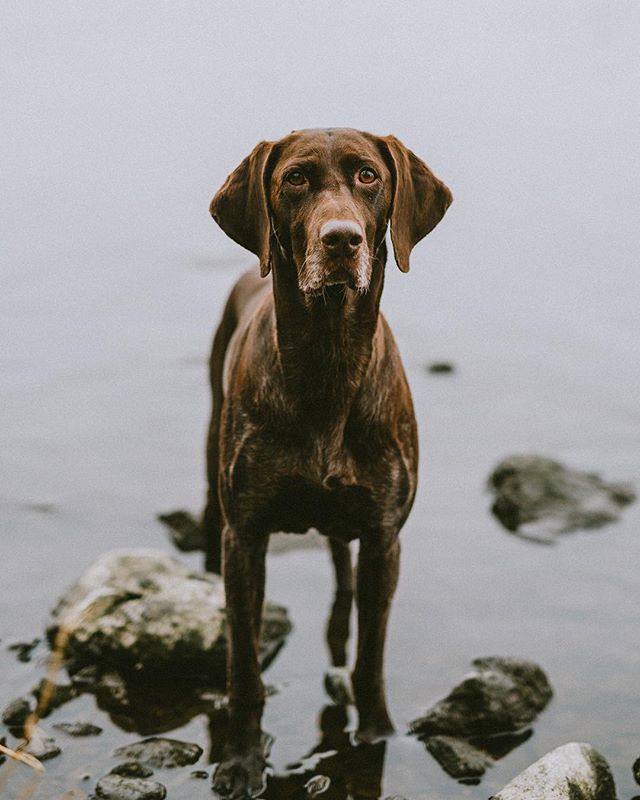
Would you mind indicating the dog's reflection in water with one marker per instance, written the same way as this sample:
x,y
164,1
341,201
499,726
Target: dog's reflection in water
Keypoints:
x,y
355,769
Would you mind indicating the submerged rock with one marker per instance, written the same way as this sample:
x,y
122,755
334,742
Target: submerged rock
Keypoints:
x,y
440,368
501,695
41,746
116,787
159,752
58,695
543,497
484,717
78,728
16,713
317,785
141,612
24,650
459,758
132,769
185,530
574,771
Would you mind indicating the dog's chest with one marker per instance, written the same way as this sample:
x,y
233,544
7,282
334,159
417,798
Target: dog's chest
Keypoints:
x,y
310,480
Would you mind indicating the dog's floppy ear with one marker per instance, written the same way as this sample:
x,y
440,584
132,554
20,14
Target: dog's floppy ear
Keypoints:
x,y
419,199
241,209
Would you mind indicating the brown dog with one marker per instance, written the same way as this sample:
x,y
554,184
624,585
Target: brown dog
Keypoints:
x,y
313,423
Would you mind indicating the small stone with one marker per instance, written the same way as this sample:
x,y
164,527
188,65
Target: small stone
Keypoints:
x,y
458,758
41,746
636,770
574,771
317,785
115,787
185,531
199,773
16,713
78,728
23,650
159,752
441,368
337,683
132,769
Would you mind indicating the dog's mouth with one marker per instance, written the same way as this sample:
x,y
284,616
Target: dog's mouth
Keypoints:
x,y
340,277
319,273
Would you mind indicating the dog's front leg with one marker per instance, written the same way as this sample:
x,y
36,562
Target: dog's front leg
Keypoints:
x,y
378,566
241,771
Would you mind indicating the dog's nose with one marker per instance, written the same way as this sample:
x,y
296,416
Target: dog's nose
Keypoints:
x,y
341,237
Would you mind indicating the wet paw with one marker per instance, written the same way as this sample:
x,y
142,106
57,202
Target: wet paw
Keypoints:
x,y
375,728
242,776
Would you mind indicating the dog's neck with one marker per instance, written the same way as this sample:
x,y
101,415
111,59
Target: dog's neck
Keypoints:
x,y
325,342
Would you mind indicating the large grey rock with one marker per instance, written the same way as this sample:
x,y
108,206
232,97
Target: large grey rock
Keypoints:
x,y
574,771
501,695
542,497
140,611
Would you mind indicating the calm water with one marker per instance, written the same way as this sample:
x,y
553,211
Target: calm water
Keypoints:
x,y
120,120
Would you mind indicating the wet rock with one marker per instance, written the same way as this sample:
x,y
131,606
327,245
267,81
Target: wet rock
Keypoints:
x,y
115,787
132,769
542,497
159,752
636,770
41,746
317,785
440,368
78,728
337,683
185,530
58,695
16,713
459,758
140,611
501,695
574,771
24,650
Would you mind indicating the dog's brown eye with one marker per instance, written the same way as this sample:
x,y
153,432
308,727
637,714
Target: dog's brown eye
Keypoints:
x,y
295,177
367,175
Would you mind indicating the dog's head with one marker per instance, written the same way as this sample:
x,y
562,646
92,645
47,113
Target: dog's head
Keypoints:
x,y
325,198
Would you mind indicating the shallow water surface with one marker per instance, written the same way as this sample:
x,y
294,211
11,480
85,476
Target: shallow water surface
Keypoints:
x,y
124,120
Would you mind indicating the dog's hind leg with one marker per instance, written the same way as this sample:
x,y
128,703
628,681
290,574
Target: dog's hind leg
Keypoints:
x,y
338,624
378,567
212,515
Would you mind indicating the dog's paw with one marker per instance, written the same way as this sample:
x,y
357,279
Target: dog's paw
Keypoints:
x,y
242,776
375,727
